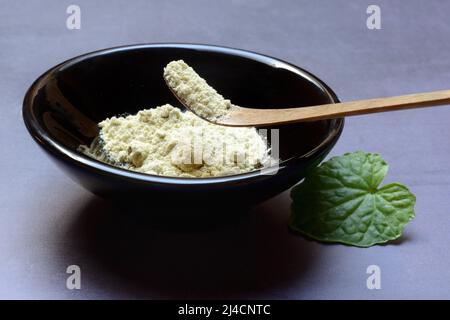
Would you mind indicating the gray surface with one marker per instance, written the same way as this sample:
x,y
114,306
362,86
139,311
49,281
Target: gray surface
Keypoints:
x,y
48,222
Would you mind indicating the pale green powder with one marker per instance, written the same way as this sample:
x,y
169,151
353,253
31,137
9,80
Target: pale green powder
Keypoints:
x,y
165,141
193,91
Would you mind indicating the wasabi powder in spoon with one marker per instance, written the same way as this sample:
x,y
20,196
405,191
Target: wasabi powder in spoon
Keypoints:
x,y
194,92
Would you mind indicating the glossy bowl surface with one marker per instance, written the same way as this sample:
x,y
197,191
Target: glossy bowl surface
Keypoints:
x,y
62,108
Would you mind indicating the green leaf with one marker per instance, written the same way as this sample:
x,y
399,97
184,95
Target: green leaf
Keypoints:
x,y
339,201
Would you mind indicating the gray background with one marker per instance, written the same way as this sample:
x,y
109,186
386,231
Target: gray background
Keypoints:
x,y
48,222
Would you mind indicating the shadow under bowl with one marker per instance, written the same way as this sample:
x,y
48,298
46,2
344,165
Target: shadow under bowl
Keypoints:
x,y
62,108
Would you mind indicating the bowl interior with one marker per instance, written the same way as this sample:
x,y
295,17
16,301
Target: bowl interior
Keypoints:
x,y
69,101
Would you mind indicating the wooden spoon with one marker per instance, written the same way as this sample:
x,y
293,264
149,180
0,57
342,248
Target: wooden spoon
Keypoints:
x,y
246,117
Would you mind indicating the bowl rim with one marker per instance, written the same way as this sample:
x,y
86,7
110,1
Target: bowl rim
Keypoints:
x,y
41,136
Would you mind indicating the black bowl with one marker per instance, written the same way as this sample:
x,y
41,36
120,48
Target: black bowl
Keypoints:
x,y
62,108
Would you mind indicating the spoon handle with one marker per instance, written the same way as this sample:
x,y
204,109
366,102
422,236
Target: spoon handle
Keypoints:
x,y
337,110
